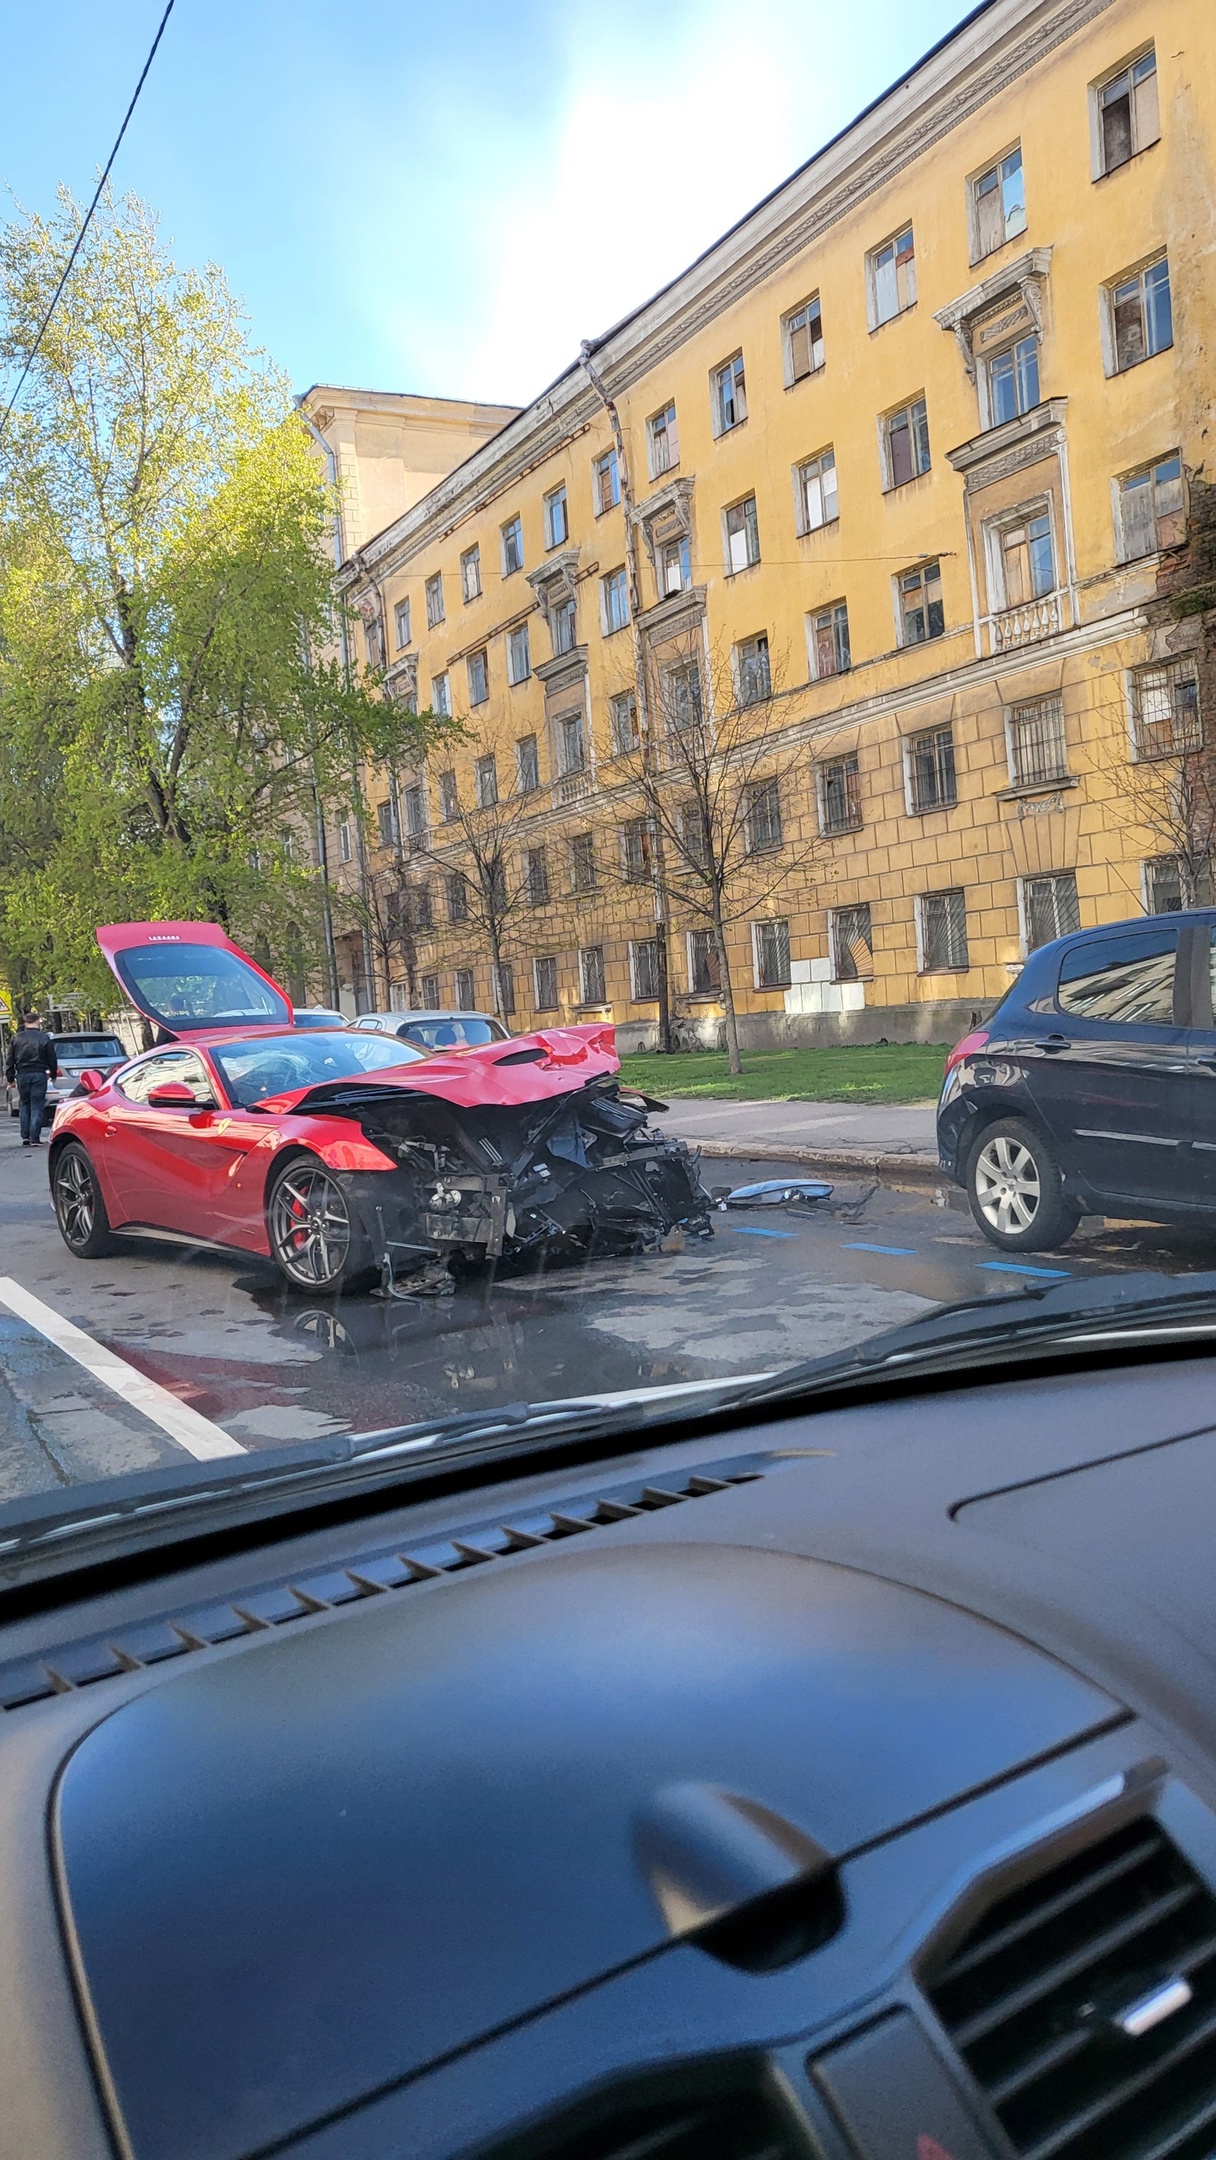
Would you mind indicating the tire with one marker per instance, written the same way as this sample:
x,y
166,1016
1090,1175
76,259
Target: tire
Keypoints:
x,y
315,1242
1016,1189
80,1210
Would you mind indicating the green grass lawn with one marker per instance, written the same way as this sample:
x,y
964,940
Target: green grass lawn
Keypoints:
x,y
886,1073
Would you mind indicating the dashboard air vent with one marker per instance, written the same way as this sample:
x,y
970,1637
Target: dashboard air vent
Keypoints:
x,y
718,2127
1084,2004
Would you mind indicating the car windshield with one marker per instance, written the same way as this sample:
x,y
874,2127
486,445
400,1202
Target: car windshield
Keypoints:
x,y
754,784
275,1064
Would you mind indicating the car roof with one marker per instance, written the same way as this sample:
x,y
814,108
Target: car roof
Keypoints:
x,y
445,1012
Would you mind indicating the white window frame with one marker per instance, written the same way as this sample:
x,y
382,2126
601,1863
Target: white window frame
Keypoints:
x,y
515,674
811,619
1110,286
446,815
606,458
994,553
434,601
1014,705
346,840
887,463
1099,170
614,581
834,919
758,983
733,362
482,655
939,893
1041,877
875,320
1118,487
979,253
748,528
620,748
533,785
671,437
636,995
401,615
839,757
512,525
813,467
470,573
681,548
787,347
556,497
441,695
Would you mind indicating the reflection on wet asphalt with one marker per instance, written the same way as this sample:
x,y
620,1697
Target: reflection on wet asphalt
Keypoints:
x,y
223,1335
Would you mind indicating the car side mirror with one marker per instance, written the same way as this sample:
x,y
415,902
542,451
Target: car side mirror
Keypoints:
x,y
93,1082
172,1095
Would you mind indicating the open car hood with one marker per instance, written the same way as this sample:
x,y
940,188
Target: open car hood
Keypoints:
x,y
503,1075
189,977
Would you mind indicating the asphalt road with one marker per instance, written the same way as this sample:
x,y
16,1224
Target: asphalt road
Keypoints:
x,y
230,1352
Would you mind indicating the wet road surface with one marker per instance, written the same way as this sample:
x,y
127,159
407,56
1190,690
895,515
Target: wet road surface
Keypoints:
x,y
223,1342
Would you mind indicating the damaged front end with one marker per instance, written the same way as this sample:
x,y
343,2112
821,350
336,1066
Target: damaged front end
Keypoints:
x,y
569,1177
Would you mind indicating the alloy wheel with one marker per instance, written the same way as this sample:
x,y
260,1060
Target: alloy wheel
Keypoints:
x,y
310,1227
74,1199
1008,1188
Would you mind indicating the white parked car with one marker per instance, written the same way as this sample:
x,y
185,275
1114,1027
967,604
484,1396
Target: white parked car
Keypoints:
x,y
96,1052
437,1030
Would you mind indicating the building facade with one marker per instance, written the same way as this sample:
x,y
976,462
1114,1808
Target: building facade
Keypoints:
x,y
901,490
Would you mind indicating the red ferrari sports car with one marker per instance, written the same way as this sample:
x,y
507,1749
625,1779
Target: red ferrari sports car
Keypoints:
x,y
342,1155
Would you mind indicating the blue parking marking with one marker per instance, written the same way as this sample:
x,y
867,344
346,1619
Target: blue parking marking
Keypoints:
x,y
1010,1267
897,1252
748,1230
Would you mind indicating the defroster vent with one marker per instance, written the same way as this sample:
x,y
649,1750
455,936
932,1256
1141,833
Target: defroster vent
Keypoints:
x,y
714,2126
1084,2004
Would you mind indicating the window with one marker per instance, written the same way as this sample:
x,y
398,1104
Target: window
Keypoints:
x,y
683,685
763,817
563,625
527,765
504,988
675,566
441,696
1127,115
512,546
694,835
921,615
644,968
704,973
182,1067
346,842
623,718
582,862
591,975
418,910
466,990
931,777
662,441
840,795
998,205
544,984
1026,560
470,573
802,334
449,801
1164,886
386,821
943,931
519,656
487,782
1149,509
892,278
852,944
401,620
373,639
1140,316
1128,979
614,601
753,681
415,819
1165,709
479,681
729,395
1012,377
742,536
606,482
905,437
816,492
434,600
557,518
430,993
1036,742
771,955
636,850
404,692
536,877
1049,908
458,903
570,744
829,640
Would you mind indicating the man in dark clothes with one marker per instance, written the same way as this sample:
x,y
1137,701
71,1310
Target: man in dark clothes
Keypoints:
x,y
31,1063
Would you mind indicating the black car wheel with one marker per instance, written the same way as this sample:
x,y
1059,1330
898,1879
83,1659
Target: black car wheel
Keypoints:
x,y
80,1210
313,1237
1016,1189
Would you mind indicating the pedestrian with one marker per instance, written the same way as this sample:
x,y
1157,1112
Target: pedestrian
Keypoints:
x,y
31,1063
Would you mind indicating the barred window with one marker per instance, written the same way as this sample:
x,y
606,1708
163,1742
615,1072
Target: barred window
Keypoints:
x,y
536,877
644,968
1165,709
771,954
763,817
943,931
704,973
840,794
466,993
852,944
1165,885
591,974
1050,910
430,993
931,774
1036,742
544,978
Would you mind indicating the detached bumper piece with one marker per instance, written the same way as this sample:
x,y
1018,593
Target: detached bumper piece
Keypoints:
x,y
567,1179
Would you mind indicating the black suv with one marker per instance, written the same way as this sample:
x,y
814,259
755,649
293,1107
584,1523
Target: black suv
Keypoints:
x,y
1092,1089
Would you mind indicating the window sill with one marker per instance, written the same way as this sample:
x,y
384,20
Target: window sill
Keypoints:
x,y
964,969
1112,171
771,989
841,832
796,381
894,487
991,254
808,532
1143,361
1020,788
887,320
931,809
743,569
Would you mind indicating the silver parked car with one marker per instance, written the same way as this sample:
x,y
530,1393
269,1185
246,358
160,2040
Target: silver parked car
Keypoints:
x,y
75,1054
437,1030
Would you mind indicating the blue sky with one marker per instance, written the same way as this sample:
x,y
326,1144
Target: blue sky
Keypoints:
x,y
442,198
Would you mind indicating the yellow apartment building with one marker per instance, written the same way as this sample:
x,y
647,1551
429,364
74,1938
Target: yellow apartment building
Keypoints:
x,y
900,490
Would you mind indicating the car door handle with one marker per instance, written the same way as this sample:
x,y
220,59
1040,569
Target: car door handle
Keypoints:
x,y
1207,1065
1056,1042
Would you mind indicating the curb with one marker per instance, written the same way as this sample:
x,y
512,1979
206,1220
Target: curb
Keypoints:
x,y
913,1167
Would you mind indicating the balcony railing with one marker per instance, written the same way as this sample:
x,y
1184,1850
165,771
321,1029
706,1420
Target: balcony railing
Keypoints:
x,y
417,843
573,787
1025,625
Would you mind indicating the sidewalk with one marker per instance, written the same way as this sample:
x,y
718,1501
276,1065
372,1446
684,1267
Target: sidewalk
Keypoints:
x,y
860,1137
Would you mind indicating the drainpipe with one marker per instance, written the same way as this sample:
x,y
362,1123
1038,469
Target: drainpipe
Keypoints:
x,y
369,973
661,926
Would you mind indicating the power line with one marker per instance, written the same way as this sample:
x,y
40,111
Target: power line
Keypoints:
x,y
55,297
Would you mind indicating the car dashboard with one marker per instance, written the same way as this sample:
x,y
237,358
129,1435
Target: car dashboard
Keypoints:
x,y
843,1785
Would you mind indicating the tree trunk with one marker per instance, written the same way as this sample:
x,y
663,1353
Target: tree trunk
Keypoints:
x,y
734,1059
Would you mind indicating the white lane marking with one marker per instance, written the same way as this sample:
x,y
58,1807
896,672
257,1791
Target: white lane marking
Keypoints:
x,y
196,1434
